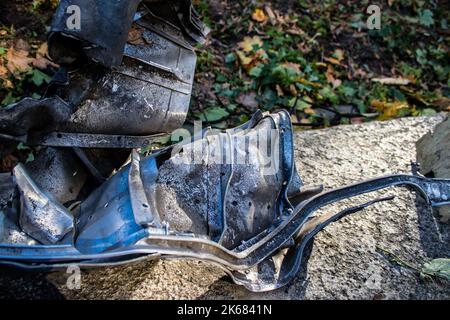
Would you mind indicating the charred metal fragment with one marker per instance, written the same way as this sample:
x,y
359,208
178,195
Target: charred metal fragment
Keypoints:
x,y
101,34
41,216
58,172
230,197
251,217
110,93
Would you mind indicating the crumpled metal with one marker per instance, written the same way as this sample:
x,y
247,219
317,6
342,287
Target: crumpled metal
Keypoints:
x,y
182,202
233,198
41,216
110,92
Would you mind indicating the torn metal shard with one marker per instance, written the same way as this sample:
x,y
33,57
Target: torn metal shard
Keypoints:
x,y
41,216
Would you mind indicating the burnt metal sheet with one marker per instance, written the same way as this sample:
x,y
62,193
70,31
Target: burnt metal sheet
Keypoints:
x,y
231,197
101,34
58,172
41,216
166,206
91,105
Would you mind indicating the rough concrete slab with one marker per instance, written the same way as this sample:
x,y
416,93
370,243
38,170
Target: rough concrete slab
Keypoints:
x,y
345,261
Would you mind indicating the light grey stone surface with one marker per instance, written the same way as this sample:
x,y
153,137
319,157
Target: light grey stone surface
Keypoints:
x,y
433,153
345,261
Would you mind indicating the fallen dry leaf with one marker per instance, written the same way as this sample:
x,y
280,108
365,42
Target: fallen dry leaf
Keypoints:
x,y
333,61
293,90
43,63
135,36
259,15
8,162
339,54
18,61
296,31
388,110
42,60
42,51
310,111
248,100
392,81
294,66
3,70
271,15
247,57
330,77
280,92
243,59
249,43
442,103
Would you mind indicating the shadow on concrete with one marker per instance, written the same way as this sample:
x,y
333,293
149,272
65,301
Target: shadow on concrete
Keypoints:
x,y
20,285
224,288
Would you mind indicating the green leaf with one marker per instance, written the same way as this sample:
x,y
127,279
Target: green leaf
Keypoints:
x,y
421,56
2,51
221,78
426,18
230,58
30,157
428,112
21,146
255,72
214,114
300,104
437,268
347,91
231,107
9,99
38,77
329,94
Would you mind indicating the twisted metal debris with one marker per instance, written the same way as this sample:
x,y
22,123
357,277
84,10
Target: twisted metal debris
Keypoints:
x,y
233,197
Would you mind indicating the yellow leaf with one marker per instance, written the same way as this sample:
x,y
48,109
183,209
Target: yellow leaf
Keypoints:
x,y
388,110
244,60
43,50
339,54
248,43
259,15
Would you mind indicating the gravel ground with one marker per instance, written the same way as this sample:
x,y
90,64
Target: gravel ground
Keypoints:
x,y
345,260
